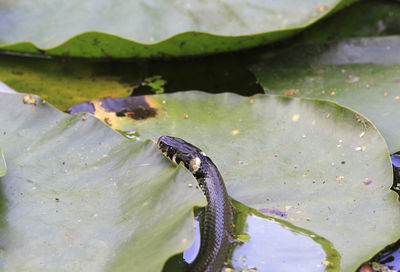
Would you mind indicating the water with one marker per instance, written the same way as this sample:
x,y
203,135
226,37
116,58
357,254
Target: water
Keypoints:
x,y
267,244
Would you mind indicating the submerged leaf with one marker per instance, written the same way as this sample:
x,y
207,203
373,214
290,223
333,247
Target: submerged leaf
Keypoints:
x,y
156,83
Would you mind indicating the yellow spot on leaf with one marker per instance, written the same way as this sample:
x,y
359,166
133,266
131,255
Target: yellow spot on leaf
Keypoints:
x,y
110,118
29,100
235,132
326,263
321,8
150,102
295,117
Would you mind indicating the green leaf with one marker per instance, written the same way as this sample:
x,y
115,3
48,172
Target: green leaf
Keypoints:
x,y
362,74
80,197
303,156
243,237
156,29
156,83
3,166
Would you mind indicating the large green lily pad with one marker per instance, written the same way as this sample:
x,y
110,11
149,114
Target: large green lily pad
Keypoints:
x,y
362,74
149,29
80,197
325,165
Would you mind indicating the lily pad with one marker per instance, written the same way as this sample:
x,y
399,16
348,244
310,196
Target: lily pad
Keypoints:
x,y
152,29
323,164
80,197
3,167
362,74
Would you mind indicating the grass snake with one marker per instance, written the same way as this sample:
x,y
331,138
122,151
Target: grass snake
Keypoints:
x,y
218,219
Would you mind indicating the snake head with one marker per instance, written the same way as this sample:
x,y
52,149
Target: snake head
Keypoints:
x,y
178,150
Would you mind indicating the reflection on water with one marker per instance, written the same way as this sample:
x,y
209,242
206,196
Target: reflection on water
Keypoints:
x,y
190,254
395,160
267,244
274,247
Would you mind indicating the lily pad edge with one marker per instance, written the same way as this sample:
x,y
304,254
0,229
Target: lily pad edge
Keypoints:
x,y
170,47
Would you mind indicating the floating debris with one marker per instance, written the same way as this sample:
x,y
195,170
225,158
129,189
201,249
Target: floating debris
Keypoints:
x,y
353,79
291,92
274,211
367,181
29,100
295,117
235,132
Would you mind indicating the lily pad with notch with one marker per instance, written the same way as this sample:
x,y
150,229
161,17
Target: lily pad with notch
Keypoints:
x,y
326,166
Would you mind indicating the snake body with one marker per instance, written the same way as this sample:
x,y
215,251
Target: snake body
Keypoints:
x,y
217,228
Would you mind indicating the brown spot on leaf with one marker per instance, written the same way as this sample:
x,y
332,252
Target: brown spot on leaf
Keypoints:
x,y
135,107
366,268
291,92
